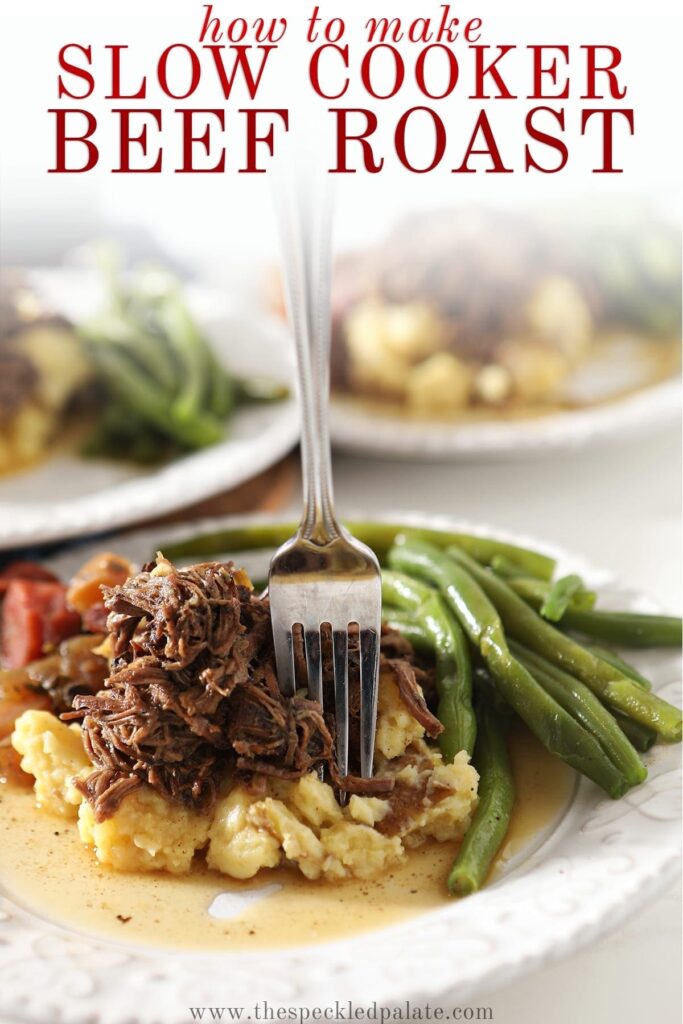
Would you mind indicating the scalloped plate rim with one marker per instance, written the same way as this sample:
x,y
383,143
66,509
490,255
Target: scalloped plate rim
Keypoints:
x,y
302,973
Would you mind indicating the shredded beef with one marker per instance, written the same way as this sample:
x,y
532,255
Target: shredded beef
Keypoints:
x,y
412,697
378,785
292,734
176,616
394,645
129,738
94,618
179,650
105,789
193,690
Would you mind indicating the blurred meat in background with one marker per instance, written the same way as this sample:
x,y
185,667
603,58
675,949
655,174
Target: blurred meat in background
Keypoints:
x,y
470,311
43,370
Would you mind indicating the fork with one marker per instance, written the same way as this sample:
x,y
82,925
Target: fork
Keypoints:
x,y
322,576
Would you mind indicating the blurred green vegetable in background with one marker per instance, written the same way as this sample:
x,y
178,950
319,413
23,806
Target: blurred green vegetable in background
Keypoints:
x,y
164,390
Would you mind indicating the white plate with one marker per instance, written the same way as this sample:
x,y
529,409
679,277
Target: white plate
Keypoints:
x,y
67,496
369,432
600,864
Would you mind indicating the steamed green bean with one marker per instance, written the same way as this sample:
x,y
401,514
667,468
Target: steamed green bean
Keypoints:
x,y
379,536
607,682
582,704
491,819
549,722
453,669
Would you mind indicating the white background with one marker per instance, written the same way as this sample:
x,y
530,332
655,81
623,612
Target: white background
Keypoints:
x,y
223,226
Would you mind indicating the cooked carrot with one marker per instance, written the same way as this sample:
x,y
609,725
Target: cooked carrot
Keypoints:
x,y
104,570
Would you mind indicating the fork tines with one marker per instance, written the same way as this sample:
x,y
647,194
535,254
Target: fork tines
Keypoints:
x,y
313,647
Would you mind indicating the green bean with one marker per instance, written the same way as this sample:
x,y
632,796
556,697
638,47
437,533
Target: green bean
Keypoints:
x,y
553,599
607,682
122,330
254,537
487,694
379,536
509,570
203,379
628,629
222,391
409,627
118,430
549,722
403,591
453,668
453,678
136,391
640,737
406,624
172,380
613,659
203,384
491,819
191,351
584,706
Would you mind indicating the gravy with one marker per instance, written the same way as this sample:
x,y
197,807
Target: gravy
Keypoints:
x,y
45,868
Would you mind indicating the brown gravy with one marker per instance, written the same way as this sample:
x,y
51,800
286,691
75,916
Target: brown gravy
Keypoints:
x,y
45,868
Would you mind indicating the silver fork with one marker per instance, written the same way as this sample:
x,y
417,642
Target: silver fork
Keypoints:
x,y
322,575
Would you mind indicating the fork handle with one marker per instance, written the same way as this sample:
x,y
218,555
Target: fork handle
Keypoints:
x,y
305,214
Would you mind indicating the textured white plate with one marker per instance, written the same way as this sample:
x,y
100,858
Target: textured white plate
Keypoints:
x,y
371,432
600,864
68,496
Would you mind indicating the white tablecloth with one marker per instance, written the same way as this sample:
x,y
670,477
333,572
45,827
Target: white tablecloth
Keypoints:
x,y
620,507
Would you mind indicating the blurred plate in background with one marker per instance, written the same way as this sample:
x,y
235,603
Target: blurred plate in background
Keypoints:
x,y
367,430
481,331
68,496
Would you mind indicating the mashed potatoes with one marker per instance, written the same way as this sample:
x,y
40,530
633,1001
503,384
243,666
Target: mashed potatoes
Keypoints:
x,y
53,753
146,834
396,727
297,823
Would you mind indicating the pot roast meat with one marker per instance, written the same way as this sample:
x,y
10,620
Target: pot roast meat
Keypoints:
x,y
408,799
378,785
106,789
175,616
284,737
130,743
193,690
412,697
394,645
179,650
